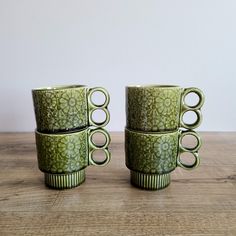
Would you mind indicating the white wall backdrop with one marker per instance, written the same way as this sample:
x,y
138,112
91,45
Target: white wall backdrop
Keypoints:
x,y
115,43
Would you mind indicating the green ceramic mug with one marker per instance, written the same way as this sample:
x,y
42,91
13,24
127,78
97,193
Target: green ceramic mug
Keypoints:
x,y
63,157
64,108
152,156
160,107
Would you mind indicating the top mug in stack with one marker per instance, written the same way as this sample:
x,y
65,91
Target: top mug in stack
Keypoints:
x,y
67,108
160,107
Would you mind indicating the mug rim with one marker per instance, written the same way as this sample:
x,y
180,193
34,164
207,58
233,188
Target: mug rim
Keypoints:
x,y
160,86
153,133
64,133
59,87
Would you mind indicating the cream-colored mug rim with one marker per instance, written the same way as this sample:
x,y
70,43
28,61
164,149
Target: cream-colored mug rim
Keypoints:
x,y
59,87
162,86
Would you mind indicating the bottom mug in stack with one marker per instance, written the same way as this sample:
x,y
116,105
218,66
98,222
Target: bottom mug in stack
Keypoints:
x,y
151,157
63,157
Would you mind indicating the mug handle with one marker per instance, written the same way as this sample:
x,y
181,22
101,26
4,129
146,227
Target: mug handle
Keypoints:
x,y
93,107
104,147
196,108
192,150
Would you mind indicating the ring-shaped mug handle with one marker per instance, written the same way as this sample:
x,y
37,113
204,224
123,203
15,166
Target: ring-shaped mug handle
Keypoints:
x,y
102,123
94,107
100,163
195,108
192,150
191,166
103,147
200,95
193,125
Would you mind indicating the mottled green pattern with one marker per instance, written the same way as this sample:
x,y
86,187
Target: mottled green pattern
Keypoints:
x,y
151,153
62,153
60,109
153,108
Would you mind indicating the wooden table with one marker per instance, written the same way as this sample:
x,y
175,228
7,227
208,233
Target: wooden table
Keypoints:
x,y
199,202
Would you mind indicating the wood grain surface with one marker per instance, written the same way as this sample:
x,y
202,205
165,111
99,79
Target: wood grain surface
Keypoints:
x,y
198,202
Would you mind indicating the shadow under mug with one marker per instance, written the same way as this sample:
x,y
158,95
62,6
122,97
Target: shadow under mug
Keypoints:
x,y
152,156
160,107
63,157
65,108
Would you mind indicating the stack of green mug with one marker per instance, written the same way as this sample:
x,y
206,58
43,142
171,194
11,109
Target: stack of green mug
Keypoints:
x,y
65,133
155,130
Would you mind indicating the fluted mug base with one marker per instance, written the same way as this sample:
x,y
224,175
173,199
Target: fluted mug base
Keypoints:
x,y
65,181
149,181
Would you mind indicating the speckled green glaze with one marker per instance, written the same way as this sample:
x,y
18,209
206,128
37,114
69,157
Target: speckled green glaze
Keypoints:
x,y
160,107
66,153
67,108
151,156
